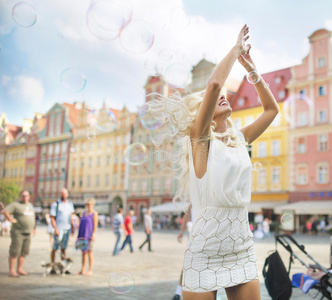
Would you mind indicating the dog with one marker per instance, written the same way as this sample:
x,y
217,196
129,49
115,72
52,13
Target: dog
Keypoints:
x,y
59,267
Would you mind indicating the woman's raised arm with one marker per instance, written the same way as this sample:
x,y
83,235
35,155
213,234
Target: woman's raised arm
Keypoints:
x,y
202,123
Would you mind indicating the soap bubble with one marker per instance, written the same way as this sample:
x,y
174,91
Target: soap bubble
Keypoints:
x,y
257,166
91,136
137,37
81,244
147,119
286,219
121,282
253,77
177,75
104,120
73,80
136,154
24,14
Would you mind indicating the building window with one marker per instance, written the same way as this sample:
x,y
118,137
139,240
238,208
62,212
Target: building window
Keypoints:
x,y
262,176
82,162
301,145
73,182
64,147
81,181
21,172
117,140
322,173
276,148
301,175
109,142
322,116
156,184
115,179
277,80
90,162
83,146
281,94
97,180
98,161
262,149
240,102
106,180
321,62
88,181
322,90
303,94
302,119
100,143
322,142
276,175
237,124
91,146
50,149
74,163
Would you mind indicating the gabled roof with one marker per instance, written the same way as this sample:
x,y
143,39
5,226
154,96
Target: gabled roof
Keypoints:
x,y
72,113
12,132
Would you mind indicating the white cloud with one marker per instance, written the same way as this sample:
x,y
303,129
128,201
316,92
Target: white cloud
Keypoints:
x,y
328,24
24,88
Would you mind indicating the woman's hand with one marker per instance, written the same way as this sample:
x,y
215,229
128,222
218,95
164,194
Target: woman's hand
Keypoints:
x,y
242,38
246,61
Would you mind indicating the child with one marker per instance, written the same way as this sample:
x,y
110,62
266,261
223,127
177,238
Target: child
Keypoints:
x,y
87,230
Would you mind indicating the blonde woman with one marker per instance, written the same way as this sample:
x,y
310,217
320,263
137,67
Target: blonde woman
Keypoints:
x,y
216,173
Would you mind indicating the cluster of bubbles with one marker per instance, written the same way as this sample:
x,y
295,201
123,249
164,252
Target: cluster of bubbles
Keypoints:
x,y
121,282
24,14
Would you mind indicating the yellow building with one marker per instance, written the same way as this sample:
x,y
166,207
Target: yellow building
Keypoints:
x,y
269,153
15,164
96,165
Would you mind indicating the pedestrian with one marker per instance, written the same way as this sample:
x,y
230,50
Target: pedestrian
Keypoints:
x,y
87,231
62,218
148,225
119,229
266,227
216,171
128,224
322,225
24,223
50,229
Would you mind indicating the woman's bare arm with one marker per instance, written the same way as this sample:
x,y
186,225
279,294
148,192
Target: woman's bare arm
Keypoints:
x,y
270,105
202,123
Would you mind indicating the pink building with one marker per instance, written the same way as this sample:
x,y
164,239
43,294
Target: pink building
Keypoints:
x,y
310,120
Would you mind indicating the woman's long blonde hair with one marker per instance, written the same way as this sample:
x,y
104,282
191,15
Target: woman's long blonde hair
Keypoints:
x,y
179,112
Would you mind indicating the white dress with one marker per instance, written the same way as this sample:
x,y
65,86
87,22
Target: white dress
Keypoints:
x,y
220,250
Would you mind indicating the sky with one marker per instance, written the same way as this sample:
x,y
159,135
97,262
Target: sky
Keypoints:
x,y
103,51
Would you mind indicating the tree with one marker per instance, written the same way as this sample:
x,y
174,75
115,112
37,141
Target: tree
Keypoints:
x,y
9,191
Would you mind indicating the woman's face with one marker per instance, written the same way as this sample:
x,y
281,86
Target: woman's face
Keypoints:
x,y
222,108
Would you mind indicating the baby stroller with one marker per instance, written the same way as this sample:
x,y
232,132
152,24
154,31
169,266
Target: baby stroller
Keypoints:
x,y
277,279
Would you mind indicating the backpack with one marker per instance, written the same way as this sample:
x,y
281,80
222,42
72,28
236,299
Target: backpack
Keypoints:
x,y
276,278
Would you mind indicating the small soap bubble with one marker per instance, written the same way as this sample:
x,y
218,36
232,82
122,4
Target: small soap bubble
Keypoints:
x,y
121,282
286,219
73,80
256,166
147,119
24,14
91,136
81,244
253,77
136,154
177,75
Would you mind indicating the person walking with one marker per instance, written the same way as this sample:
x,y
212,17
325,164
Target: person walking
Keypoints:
x,y
216,172
119,229
87,231
24,223
61,213
128,224
148,225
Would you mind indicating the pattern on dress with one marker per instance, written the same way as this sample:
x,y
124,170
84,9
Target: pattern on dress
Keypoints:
x,y
220,251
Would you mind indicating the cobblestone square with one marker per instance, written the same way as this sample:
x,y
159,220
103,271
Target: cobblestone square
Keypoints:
x,y
155,273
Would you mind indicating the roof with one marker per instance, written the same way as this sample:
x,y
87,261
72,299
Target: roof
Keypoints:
x,y
248,92
73,113
12,132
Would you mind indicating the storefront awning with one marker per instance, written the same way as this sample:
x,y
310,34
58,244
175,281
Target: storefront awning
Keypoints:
x,y
169,207
256,207
307,208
